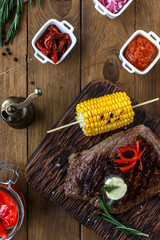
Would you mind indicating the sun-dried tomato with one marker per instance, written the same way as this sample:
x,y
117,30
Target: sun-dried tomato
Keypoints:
x,y
53,28
42,49
54,57
61,44
48,41
53,43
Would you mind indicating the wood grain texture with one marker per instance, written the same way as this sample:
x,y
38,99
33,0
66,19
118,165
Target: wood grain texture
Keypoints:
x,y
13,143
60,85
46,170
101,42
147,86
94,56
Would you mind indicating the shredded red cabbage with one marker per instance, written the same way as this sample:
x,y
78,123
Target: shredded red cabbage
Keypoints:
x,y
113,6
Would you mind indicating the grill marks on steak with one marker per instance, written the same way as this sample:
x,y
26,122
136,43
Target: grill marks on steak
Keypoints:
x,y
89,169
93,178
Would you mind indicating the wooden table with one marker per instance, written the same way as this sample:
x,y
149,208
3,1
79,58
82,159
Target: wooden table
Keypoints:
x,y
94,56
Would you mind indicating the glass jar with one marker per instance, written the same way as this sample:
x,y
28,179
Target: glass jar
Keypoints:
x,y
8,186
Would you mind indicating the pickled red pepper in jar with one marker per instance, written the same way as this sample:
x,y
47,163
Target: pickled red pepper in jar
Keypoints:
x,y
8,213
140,52
53,43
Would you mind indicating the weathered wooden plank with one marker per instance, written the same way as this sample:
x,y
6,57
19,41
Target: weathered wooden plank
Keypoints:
x,y
147,86
102,39
60,84
46,170
13,143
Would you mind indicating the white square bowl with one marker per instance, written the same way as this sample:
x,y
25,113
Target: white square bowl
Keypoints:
x,y
101,9
153,39
64,27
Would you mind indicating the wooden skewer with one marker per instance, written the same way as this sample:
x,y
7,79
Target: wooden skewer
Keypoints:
x,y
80,121
64,126
147,102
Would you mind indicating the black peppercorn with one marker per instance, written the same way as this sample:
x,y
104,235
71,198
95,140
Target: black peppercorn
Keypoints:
x,y
9,53
15,59
3,54
7,49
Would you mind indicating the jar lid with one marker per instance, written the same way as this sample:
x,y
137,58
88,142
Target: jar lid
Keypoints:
x,y
12,176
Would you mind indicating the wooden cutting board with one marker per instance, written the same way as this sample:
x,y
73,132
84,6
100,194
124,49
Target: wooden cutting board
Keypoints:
x,y
47,167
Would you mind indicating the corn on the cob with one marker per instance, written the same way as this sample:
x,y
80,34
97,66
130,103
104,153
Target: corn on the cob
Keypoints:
x,y
105,113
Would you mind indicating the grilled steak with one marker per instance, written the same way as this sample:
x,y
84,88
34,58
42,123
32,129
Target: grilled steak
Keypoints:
x,y
88,170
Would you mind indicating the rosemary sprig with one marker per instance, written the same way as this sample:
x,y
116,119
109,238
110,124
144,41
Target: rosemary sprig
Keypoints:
x,y
110,188
0,33
109,218
15,27
7,6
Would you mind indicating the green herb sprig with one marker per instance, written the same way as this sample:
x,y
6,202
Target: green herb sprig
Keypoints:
x,y
110,188
7,6
109,218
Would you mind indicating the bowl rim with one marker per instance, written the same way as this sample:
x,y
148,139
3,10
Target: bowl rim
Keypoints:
x,y
154,41
40,32
108,13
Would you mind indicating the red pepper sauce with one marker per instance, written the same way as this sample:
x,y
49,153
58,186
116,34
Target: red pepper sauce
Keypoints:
x,y
8,213
140,52
53,43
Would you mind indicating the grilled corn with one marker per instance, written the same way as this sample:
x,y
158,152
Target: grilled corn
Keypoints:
x,y
105,113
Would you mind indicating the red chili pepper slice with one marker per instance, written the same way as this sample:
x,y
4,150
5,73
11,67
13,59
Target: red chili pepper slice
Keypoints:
x,y
42,49
126,150
125,168
140,161
3,233
133,160
124,161
140,155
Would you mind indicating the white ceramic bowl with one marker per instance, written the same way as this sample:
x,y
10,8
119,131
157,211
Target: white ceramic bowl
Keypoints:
x,y
65,27
127,65
101,9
